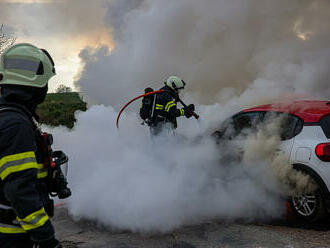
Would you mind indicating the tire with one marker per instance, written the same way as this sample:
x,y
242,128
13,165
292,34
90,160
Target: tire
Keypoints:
x,y
308,207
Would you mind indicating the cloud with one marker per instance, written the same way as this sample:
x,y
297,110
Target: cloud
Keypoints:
x,y
31,1
54,18
62,27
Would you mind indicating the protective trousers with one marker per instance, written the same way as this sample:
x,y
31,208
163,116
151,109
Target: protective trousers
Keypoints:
x,y
15,241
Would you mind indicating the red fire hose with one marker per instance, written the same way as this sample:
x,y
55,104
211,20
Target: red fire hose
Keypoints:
x,y
125,106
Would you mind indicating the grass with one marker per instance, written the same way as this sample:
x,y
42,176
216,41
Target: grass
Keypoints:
x,y
59,108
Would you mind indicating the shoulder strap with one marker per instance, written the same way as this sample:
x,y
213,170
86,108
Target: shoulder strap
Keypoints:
x,y
153,107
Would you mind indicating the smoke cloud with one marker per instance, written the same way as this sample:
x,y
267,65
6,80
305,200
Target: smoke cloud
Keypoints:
x,y
232,54
273,48
126,180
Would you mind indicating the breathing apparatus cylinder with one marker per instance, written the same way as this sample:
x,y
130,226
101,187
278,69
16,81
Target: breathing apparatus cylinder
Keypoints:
x,y
147,106
57,182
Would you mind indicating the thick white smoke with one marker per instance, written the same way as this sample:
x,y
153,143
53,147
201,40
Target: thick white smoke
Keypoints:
x,y
232,54
124,179
274,48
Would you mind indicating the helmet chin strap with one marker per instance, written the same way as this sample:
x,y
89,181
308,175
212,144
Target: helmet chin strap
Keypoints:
x,y
174,86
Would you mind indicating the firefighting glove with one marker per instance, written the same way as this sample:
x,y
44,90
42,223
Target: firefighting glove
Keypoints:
x,y
189,110
51,243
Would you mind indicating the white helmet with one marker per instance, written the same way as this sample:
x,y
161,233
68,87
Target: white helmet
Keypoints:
x,y
175,83
27,65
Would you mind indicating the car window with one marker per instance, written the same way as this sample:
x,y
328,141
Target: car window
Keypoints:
x,y
325,124
243,124
239,125
226,130
287,125
246,123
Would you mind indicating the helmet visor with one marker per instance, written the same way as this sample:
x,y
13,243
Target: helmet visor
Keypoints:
x,y
23,64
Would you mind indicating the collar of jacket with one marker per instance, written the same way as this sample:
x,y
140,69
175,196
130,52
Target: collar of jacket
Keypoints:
x,y
171,92
25,110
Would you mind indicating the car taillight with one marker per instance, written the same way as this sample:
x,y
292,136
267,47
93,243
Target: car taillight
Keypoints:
x,y
323,152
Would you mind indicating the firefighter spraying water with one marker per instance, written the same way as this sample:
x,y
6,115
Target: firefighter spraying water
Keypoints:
x,y
159,108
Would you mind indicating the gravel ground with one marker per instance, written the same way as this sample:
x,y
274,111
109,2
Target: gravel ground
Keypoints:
x,y
287,234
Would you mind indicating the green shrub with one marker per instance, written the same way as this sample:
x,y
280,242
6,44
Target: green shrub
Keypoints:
x,y
59,108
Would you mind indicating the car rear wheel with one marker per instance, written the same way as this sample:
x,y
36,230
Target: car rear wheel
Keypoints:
x,y
308,207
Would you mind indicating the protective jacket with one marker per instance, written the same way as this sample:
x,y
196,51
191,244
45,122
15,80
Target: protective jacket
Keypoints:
x,y
25,205
165,108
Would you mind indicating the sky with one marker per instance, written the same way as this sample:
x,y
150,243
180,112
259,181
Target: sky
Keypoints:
x,y
62,27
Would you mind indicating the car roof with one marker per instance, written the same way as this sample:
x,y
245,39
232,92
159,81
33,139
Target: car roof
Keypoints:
x,y
308,110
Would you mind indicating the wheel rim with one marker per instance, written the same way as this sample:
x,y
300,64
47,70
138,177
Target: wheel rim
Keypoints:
x,y
304,204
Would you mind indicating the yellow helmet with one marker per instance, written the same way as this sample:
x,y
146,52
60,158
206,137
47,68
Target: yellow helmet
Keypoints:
x,y
175,83
27,65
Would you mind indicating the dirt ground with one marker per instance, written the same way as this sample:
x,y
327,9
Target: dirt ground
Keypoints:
x,y
216,234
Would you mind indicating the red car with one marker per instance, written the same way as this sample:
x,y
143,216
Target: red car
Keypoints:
x,y
304,131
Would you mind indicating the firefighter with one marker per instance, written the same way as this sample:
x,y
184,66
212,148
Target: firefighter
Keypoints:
x,y
160,111
25,206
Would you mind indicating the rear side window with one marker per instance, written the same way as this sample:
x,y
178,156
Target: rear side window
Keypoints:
x,y
325,124
239,125
288,125
246,123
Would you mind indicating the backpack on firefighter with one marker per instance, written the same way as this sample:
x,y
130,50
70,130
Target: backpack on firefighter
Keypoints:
x,y
147,107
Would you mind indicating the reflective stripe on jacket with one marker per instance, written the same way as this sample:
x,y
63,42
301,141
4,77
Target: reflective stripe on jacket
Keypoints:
x,y
34,220
17,162
11,229
166,108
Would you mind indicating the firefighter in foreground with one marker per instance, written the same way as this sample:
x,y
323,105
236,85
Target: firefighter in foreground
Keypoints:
x,y
26,173
160,111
